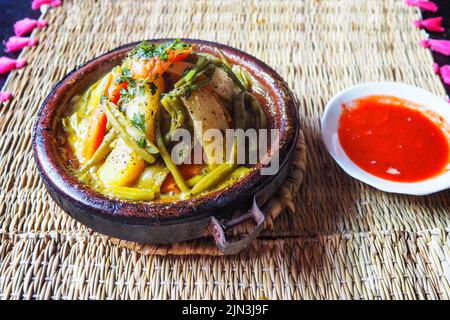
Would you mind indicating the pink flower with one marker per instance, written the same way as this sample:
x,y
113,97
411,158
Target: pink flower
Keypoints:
x,y
432,24
8,64
5,96
441,46
37,4
424,5
435,68
18,43
27,25
443,71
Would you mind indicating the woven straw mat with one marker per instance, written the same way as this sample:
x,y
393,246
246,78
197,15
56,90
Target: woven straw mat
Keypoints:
x,y
343,239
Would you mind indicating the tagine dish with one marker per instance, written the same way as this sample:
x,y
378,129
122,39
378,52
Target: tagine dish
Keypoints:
x,y
158,141
121,133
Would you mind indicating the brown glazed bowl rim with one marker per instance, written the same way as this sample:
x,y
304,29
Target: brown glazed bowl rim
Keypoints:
x,y
60,181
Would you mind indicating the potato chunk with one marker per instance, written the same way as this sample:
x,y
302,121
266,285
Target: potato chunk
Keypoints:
x,y
122,166
152,177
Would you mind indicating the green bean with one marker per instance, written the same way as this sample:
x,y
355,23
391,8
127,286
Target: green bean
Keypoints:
x,y
213,178
172,113
247,80
216,175
212,58
186,78
178,106
175,107
187,85
190,86
193,181
224,59
122,132
178,120
200,84
242,75
239,172
233,77
167,159
128,193
259,118
224,65
200,67
103,150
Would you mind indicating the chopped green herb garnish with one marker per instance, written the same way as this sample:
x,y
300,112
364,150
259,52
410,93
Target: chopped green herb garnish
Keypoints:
x,y
125,77
125,96
139,121
134,89
126,72
145,50
141,142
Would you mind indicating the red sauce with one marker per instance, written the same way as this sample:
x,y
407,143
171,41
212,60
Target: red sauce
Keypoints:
x,y
389,138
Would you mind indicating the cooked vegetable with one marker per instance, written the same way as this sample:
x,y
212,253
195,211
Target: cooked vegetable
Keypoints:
x,y
177,70
103,150
187,171
129,134
120,129
168,161
153,177
224,65
96,132
122,166
248,112
144,106
149,61
217,175
222,84
98,120
203,118
97,93
176,110
135,194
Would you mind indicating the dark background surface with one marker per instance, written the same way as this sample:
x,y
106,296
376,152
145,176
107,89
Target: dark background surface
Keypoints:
x,y
10,12
444,11
13,10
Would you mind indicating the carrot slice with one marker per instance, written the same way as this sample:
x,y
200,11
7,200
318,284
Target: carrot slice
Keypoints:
x,y
187,171
114,91
155,67
178,55
96,131
97,125
169,185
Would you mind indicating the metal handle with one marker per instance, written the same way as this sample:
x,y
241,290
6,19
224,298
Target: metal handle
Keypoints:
x,y
216,230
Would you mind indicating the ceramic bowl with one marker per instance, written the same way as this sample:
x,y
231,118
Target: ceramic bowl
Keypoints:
x,y
416,95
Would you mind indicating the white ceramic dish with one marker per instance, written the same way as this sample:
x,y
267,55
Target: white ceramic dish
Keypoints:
x,y
330,120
